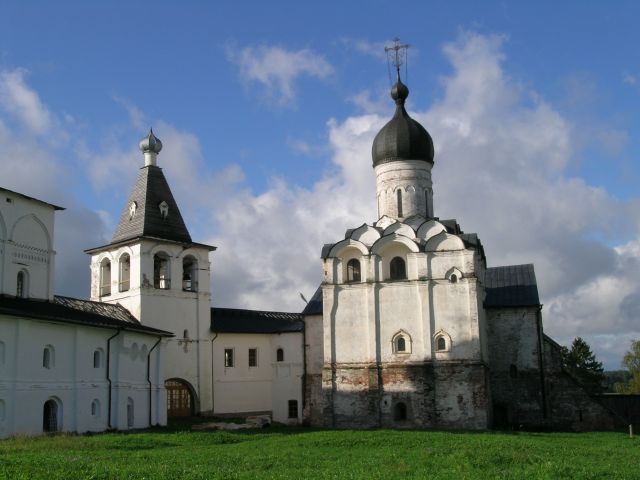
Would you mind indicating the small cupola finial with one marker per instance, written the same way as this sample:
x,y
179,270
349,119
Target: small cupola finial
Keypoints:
x,y
397,55
150,147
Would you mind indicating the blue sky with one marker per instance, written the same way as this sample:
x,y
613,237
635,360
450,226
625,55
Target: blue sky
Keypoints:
x,y
267,111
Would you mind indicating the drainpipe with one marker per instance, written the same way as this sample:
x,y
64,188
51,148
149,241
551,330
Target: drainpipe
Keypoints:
x,y
149,375
304,366
109,374
543,389
212,376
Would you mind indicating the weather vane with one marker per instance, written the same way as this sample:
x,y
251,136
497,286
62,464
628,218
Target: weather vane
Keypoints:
x,y
397,55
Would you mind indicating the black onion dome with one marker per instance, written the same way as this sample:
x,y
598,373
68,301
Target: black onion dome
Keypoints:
x,y
402,138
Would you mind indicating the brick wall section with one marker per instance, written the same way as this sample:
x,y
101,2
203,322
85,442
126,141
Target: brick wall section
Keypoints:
x,y
453,395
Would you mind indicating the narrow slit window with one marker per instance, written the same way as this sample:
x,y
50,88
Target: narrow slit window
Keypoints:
x,y
228,357
253,357
97,359
399,194
21,286
280,355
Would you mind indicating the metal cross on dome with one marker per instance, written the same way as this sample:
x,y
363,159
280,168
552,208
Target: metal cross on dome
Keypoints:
x,y
397,53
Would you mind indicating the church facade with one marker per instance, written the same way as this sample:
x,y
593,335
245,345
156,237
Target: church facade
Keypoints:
x,y
410,327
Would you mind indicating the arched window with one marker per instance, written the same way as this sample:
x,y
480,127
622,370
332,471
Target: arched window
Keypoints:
x,y
189,274
51,416
130,412
400,412
353,270
105,277
397,269
97,358
161,273
48,357
453,278
125,272
401,342
399,195
95,408
280,355
441,344
22,284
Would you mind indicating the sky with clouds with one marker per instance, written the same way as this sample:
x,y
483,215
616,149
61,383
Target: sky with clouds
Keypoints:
x,y
267,112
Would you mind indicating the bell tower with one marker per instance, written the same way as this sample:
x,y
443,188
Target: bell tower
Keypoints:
x,y
154,269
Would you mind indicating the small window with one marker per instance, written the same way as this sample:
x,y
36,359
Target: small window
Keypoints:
x,y
293,409
280,355
228,357
401,345
400,412
185,334
161,277
189,275
105,277
95,408
253,357
48,360
125,273
21,284
453,278
441,344
401,342
130,412
353,270
399,194
397,269
97,359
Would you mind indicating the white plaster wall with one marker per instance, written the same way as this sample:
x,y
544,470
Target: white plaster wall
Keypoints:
x,y
26,243
265,388
25,385
413,177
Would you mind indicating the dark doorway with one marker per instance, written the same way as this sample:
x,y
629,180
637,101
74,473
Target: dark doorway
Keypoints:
x,y
400,412
179,398
50,416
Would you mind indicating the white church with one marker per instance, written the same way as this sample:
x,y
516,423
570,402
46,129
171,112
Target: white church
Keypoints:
x,y
410,327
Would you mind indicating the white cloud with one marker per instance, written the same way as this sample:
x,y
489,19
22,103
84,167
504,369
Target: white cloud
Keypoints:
x,y
629,78
277,69
23,102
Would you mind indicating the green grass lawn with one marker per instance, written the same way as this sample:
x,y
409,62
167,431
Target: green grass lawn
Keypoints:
x,y
178,453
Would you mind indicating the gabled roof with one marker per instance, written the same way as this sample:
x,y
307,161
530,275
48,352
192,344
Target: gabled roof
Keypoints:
x,y
55,207
233,320
76,311
314,307
150,190
511,286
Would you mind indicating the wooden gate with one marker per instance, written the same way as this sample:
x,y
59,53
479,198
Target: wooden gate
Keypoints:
x,y
179,399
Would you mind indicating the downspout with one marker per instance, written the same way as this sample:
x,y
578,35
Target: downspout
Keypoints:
x,y
304,365
212,376
109,374
543,389
149,376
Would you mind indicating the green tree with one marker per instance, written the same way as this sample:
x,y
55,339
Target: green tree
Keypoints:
x,y
581,363
631,361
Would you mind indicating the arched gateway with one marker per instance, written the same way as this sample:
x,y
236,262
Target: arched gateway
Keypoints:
x,y
181,398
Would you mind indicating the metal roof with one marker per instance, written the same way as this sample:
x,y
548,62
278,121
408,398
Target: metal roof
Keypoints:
x,y
402,138
233,320
75,311
55,207
511,286
314,307
150,190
